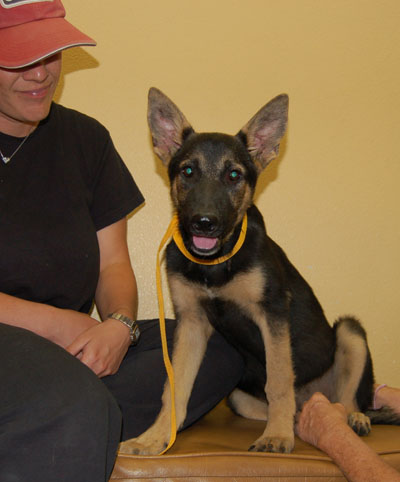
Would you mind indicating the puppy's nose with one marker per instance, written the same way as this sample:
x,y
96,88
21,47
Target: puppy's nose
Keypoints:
x,y
204,224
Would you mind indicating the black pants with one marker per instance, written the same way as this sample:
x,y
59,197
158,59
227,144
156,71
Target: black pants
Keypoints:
x,y
59,422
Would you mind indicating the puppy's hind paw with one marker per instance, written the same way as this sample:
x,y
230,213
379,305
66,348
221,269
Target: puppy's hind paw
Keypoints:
x,y
273,444
359,422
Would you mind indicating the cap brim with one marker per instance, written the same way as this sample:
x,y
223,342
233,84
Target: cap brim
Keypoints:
x,y
26,44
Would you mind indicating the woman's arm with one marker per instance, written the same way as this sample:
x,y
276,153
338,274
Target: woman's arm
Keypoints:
x,y
116,289
58,325
103,347
324,425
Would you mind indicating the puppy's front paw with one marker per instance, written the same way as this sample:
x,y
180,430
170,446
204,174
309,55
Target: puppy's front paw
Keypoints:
x,y
359,422
135,447
273,444
151,442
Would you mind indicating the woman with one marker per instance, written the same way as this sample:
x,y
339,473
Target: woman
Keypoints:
x,y
65,194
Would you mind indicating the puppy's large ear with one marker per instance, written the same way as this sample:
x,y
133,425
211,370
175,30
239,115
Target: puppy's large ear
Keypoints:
x,y
264,131
167,124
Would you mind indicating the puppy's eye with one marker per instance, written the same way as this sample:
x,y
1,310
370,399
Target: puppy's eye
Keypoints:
x,y
187,171
234,175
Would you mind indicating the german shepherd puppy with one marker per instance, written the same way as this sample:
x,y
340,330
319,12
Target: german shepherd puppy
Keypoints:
x,y
256,299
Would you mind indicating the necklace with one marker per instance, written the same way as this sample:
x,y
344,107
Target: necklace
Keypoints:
x,y
6,159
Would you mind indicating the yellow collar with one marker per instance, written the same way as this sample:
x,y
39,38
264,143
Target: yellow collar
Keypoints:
x,y
177,237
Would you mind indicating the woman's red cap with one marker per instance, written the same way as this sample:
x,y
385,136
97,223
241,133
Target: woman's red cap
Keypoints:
x,y
31,30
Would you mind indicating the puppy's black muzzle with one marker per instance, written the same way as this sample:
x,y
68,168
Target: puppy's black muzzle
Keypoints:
x,y
206,208
204,224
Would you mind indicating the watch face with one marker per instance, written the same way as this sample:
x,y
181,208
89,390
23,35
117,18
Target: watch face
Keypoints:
x,y
135,335
131,324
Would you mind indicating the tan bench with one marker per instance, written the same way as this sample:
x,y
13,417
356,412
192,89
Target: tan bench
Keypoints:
x,y
215,449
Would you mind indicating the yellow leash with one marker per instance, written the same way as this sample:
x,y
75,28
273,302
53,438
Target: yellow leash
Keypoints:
x,y
174,232
167,362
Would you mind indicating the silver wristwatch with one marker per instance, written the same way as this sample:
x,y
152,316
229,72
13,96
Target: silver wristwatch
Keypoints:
x,y
131,324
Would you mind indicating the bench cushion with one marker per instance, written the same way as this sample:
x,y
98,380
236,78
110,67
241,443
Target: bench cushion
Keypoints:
x,y
215,449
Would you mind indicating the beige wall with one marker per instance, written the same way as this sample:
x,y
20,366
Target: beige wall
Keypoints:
x,y
331,199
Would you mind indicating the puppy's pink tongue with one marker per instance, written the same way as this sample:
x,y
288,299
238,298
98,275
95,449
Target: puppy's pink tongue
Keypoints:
x,y
204,243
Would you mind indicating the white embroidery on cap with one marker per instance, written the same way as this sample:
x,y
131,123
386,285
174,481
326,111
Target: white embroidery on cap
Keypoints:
x,y
17,3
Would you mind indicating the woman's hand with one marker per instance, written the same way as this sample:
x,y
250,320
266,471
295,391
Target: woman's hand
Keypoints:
x,y
388,396
320,417
102,347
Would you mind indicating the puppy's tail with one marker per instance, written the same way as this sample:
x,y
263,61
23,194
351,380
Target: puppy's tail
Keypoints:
x,y
383,416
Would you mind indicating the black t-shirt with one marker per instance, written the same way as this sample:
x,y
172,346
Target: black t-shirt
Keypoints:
x,y
65,183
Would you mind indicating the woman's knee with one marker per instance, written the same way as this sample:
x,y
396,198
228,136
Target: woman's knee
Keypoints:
x,y
57,409
44,384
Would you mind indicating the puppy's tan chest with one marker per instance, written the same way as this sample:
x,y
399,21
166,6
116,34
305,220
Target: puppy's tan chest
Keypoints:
x,y
245,289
